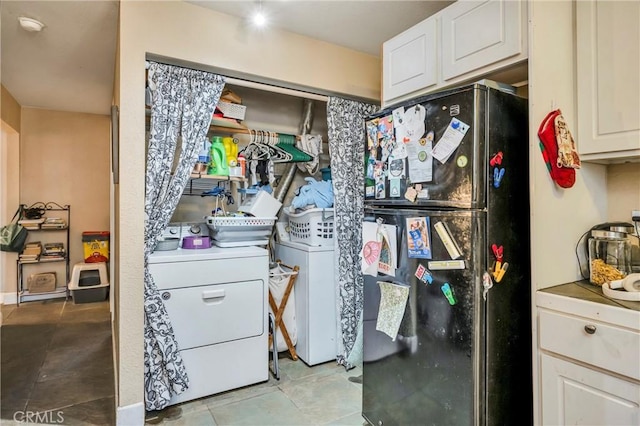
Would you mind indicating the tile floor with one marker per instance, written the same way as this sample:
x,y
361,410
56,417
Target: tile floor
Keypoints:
x,y
56,360
56,355
318,395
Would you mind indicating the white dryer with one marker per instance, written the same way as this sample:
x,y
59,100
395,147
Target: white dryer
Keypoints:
x,y
216,299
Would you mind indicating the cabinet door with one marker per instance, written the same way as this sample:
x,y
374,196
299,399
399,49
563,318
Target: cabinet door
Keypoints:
x,y
410,61
608,74
476,34
575,395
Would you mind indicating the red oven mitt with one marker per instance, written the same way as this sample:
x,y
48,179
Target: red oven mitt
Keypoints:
x,y
563,176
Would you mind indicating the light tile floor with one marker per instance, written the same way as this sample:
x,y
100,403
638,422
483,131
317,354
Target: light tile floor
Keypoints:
x,y
318,395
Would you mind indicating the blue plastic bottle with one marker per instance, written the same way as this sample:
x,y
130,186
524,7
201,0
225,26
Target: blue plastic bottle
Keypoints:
x,y
219,165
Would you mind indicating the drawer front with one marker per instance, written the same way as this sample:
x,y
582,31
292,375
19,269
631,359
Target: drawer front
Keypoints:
x,y
219,368
596,343
206,315
206,272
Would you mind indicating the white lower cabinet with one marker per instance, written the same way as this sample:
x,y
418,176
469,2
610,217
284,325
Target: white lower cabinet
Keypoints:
x,y
576,395
589,363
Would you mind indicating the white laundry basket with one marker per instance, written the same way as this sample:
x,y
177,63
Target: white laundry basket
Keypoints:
x,y
313,227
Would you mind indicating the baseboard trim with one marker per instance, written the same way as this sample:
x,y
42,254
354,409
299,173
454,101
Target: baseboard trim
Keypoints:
x,y
130,415
9,298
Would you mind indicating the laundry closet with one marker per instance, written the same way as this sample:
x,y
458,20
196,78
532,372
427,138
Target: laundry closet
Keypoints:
x,y
218,298
267,109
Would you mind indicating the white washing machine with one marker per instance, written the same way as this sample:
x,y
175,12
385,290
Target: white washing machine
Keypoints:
x,y
216,299
315,299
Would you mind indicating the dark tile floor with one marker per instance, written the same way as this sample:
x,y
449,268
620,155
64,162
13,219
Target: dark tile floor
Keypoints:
x,y
56,363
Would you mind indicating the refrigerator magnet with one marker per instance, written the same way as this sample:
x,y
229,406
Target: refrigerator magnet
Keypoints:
x,y
420,271
498,174
447,240
394,188
448,293
496,160
411,194
418,241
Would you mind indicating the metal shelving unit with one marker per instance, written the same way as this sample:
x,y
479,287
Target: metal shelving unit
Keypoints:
x,y
22,293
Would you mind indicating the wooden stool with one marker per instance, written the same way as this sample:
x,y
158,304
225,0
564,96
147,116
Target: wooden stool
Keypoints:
x,y
278,311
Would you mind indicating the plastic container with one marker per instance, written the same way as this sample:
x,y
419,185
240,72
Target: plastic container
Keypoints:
x,y
609,256
231,150
219,165
262,204
96,246
313,227
95,293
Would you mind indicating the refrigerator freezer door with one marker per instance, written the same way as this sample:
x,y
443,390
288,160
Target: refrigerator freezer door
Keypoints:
x,y
431,373
457,181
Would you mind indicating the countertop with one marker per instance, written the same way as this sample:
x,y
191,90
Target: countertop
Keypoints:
x,y
584,290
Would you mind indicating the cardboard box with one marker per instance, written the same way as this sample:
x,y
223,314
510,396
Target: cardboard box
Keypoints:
x,y
41,283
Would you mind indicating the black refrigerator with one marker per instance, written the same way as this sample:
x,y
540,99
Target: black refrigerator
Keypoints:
x,y
447,178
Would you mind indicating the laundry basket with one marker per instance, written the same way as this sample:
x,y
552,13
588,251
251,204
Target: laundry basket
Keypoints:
x,y
313,227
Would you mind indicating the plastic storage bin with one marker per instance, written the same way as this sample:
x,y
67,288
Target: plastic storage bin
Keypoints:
x,y
96,246
313,227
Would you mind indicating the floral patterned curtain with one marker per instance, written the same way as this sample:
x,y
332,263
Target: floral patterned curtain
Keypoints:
x,y
183,102
346,131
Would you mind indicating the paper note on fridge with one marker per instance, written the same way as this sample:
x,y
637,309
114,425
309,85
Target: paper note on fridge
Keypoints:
x,y
450,140
393,302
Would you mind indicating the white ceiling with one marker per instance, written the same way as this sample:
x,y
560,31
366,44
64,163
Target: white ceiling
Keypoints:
x,y
69,65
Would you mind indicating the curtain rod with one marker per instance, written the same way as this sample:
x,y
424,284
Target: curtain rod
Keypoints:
x,y
270,88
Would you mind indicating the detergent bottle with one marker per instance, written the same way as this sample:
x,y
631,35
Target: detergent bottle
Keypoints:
x,y
219,165
231,149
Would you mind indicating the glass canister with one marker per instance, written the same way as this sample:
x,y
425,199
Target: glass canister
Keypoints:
x,y
609,256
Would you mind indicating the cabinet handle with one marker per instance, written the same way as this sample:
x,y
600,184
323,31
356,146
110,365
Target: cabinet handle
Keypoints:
x,y
590,329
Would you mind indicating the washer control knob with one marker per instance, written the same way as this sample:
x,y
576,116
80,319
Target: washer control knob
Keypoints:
x,y
166,295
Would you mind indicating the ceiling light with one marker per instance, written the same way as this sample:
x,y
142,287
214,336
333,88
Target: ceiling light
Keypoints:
x,y
31,25
259,17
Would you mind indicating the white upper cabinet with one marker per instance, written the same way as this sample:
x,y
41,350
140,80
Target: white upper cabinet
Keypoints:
x,y
476,34
469,40
410,60
608,78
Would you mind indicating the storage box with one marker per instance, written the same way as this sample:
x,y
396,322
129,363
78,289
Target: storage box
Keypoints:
x,y
41,283
89,294
96,246
262,204
230,110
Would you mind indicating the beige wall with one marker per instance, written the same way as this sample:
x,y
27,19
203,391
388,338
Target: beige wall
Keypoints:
x,y
623,188
64,158
9,201
183,31
9,109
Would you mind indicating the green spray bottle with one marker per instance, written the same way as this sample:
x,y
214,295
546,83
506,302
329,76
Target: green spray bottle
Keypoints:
x,y
219,165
